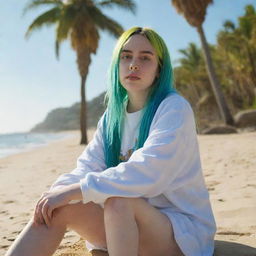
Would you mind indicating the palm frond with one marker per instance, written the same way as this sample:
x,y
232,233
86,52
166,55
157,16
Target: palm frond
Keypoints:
x,y
57,49
38,3
192,57
249,10
184,52
105,23
229,25
48,18
65,24
124,4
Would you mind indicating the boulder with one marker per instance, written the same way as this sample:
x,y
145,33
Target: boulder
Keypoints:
x,y
245,118
224,248
220,129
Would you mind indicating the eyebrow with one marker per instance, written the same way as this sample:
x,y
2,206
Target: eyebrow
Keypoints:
x,y
145,52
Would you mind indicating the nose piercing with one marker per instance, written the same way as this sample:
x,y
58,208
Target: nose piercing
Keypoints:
x,y
133,67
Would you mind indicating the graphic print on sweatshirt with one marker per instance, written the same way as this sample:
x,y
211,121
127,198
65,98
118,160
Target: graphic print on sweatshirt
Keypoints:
x,y
125,157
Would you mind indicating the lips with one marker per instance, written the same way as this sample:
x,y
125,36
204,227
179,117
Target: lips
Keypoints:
x,y
132,77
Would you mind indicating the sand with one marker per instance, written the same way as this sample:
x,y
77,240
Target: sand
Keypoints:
x,y
229,167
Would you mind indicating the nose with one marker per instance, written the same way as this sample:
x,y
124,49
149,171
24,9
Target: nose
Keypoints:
x,y
133,66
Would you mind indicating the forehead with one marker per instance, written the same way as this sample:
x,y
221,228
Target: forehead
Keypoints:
x,y
138,43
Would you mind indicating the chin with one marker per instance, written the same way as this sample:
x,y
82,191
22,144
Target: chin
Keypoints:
x,y
133,88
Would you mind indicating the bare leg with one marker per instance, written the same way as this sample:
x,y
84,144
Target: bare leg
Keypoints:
x,y
38,240
43,241
121,229
134,227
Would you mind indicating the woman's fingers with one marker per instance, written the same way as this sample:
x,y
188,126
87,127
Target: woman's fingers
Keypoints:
x,y
49,213
38,217
45,216
40,212
46,205
36,213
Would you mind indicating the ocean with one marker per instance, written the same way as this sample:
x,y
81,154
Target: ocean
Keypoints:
x,y
13,143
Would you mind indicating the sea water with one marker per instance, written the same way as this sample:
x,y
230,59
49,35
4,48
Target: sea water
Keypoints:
x,y
13,143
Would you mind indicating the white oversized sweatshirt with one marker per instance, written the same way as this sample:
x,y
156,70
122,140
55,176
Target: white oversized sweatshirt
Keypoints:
x,y
166,171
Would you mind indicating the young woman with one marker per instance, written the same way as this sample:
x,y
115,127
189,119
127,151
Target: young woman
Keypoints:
x,y
138,188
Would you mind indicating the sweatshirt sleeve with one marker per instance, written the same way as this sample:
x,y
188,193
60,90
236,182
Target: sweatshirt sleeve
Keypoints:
x,y
91,160
165,156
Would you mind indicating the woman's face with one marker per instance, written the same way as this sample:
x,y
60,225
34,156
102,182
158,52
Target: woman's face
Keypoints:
x,y
138,65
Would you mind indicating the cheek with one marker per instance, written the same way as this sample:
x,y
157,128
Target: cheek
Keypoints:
x,y
152,72
122,67
121,71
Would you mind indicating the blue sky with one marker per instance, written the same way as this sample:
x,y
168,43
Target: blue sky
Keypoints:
x,y
33,82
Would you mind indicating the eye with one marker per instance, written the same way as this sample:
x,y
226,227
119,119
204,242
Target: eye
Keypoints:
x,y
145,58
125,56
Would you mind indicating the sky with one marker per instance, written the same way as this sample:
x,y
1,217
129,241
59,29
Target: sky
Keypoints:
x,y
33,82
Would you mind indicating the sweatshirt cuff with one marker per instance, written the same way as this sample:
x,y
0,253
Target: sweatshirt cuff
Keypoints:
x,y
90,190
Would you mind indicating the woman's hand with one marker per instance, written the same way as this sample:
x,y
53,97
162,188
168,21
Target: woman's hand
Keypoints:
x,y
54,199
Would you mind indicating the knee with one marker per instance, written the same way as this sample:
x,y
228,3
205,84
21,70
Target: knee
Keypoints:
x,y
69,214
118,205
60,216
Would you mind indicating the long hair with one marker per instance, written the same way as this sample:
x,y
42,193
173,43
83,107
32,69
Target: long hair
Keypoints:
x,y
117,95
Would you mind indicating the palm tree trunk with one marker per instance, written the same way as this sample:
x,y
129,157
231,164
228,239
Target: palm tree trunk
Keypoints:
x,y
221,102
83,110
83,62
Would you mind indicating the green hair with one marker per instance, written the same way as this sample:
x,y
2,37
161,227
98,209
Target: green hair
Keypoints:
x,y
116,95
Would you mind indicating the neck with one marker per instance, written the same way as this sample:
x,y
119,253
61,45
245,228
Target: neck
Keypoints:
x,y
136,102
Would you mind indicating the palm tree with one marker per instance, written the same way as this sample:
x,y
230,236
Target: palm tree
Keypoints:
x,y
247,31
194,12
191,74
191,57
80,21
238,45
240,40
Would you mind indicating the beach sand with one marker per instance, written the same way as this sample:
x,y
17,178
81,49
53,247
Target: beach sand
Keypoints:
x,y
229,167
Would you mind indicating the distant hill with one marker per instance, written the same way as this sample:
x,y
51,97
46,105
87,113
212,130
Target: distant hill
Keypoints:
x,y
62,119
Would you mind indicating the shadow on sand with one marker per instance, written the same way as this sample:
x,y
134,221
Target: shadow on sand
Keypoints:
x,y
222,248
